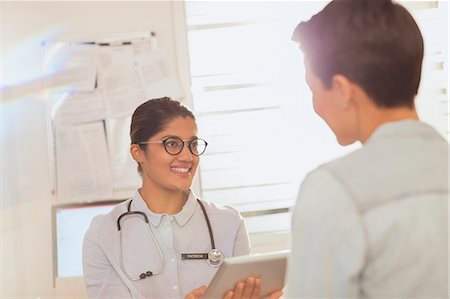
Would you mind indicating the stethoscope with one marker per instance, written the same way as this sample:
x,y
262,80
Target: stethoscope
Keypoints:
x,y
214,257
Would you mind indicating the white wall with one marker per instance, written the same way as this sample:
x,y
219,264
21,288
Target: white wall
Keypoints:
x,y
26,199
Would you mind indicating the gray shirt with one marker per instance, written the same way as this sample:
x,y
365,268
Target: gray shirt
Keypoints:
x,y
373,224
185,232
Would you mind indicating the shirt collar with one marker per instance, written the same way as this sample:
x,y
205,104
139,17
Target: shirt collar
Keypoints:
x,y
188,209
403,128
181,217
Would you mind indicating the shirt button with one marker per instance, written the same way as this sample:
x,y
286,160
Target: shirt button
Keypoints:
x,y
175,287
172,259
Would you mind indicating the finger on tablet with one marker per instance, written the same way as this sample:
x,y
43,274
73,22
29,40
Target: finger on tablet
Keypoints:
x,y
238,290
256,289
276,294
248,288
229,294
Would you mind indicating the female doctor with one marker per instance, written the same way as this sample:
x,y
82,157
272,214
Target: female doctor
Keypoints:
x,y
164,242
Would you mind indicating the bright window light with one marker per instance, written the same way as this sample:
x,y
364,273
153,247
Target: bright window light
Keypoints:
x,y
254,107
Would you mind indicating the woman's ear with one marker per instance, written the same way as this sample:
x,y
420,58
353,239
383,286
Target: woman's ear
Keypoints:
x,y
344,90
136,153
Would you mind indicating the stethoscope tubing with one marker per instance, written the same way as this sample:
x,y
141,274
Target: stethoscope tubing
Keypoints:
x,y
152,234
161,254
211,236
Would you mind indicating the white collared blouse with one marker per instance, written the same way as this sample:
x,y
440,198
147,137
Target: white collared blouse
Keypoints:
x,y
184,232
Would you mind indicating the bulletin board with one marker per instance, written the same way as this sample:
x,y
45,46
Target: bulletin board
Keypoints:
x,y
95,87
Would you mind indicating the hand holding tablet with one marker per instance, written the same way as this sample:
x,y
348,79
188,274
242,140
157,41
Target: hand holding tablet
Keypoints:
x,y
245,276
250,289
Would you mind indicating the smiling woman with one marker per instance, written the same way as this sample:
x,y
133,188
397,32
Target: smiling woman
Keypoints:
x,y
163,172
170,242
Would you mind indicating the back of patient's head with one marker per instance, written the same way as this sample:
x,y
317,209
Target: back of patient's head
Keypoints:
x,y
374,43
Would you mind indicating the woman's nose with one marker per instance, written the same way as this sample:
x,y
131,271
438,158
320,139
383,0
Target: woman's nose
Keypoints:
x,y
185,154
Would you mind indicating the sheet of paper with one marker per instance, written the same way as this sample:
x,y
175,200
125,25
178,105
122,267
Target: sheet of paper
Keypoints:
x,y
122,91
71,66
157,73
118,80
132,74
82,163
71,108
112,56
124,168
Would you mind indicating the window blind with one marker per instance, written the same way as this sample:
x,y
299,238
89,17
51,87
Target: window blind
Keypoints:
x,y
432,101
254,107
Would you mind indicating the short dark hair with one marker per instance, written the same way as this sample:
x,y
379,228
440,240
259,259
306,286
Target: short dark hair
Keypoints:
x,y
151,117
375,43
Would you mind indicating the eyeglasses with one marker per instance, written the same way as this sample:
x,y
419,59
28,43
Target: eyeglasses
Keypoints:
x,y
174,145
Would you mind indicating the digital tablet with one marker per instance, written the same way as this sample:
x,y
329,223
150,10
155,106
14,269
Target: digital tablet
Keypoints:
x,y
270,267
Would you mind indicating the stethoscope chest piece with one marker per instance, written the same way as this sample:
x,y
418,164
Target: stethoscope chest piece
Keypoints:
x,y
215,258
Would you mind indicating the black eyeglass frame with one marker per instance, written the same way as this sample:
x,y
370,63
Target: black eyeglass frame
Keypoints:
x,y
190,142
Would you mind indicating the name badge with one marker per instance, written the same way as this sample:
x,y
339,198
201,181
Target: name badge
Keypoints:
x,y
194,256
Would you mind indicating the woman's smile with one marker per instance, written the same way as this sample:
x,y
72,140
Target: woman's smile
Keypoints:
x,y
183,171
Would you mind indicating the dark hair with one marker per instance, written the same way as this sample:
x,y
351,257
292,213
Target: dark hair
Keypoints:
x,y
375,43
150,118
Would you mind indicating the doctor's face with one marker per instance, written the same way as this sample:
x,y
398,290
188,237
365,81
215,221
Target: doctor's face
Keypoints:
x,y
171,172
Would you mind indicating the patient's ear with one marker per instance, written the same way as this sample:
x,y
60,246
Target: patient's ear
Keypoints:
x,y
343,88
